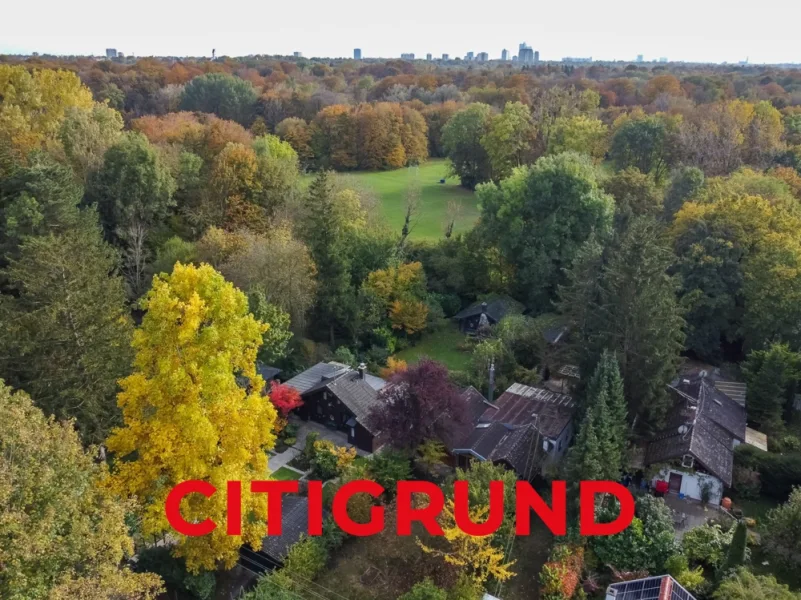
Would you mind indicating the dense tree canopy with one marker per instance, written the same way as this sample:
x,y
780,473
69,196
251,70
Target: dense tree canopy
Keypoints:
x,y
186,417
62,531
540,216
219,93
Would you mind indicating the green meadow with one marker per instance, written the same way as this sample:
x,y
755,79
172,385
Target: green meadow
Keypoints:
x,y
391,189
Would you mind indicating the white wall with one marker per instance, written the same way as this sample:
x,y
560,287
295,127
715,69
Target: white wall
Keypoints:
x,y
691,484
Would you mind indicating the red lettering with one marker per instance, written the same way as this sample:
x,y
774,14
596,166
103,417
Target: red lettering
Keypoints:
x,y
172,507
461,509
428,515
315,508
233,508
340,508
274,490
527,499
587,492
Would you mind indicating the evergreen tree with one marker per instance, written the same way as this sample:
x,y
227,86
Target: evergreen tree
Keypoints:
x,y
65,336
335,305
639,318
606,378
772,375
37,199
596,453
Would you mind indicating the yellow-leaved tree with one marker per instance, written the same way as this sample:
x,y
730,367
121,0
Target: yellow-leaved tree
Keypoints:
x,y
402,289
187,416
475,556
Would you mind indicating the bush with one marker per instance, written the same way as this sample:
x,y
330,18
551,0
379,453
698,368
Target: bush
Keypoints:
x,y
746,482
290,441
388,468
777,472
425,590
172,570
706,545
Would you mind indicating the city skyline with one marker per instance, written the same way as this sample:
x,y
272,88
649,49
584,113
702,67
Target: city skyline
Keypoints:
x,y
691,31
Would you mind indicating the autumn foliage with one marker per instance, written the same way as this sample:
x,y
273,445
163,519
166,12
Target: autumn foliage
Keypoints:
x,y
284,398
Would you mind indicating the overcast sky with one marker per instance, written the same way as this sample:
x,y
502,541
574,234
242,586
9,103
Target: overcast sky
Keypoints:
x,y
691,30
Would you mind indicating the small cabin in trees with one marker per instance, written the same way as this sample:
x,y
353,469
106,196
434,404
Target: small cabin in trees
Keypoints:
x,y
341,398
485,312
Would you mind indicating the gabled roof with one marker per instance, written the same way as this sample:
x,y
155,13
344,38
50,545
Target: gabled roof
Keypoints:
x,y
358,393
522,404
473,406
704,423
294,524
506,430
662,587
266,371
496,309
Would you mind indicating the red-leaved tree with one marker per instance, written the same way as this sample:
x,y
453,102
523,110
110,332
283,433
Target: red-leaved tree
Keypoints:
x,y
418,404
284,398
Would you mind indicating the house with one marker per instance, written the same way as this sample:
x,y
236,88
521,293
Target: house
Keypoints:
x,y
525,429
703,428
661,587
267,372
274,548
493,311
341,398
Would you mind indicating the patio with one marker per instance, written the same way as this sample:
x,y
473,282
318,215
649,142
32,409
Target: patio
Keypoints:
x,y
339,438
689,514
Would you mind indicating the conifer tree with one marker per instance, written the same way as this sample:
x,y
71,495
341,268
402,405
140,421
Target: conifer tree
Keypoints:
x,y
324,236
639,318
65,335
606,378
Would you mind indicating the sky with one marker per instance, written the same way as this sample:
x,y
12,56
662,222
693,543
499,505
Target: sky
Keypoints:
x,y
686,30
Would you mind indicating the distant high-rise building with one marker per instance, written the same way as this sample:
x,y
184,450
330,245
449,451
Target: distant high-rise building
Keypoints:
x,y
468,56
297,54
482,57
525,53
429,56
536,56
640,58
504,55
408,56
111,53
514,58
446,57
120,54
663,59
357,54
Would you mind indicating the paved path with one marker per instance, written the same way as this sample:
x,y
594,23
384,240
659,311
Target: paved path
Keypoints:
x,y
304,429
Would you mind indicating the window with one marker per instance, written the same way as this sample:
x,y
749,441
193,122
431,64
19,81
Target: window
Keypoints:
x,y
687,461
319,409
353,433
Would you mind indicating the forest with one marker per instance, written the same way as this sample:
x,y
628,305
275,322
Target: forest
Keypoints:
x,y
167,226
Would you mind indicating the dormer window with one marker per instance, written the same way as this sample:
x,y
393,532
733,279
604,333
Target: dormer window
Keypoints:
x,y
687,461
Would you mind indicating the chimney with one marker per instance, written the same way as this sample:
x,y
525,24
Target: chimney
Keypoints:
x,y
362,368
483,308
491,390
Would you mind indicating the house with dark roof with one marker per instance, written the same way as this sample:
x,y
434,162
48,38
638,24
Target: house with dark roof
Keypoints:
x,y
493,311
525,429
342,398
661,587
698,441
274,548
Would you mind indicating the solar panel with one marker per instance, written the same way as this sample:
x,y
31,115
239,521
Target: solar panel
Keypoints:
x,y
649,588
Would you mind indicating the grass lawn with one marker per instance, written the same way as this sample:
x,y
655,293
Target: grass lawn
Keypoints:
x,y
284,474
390,188
442,345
